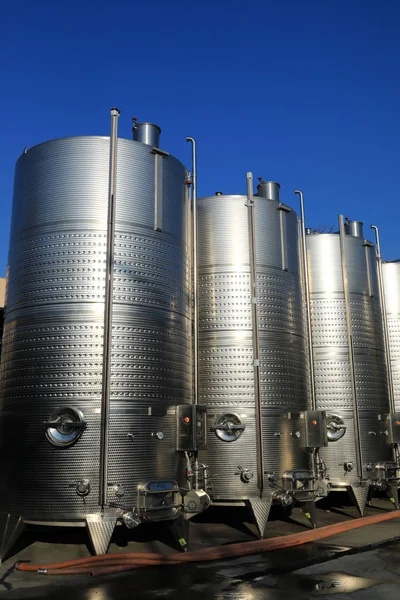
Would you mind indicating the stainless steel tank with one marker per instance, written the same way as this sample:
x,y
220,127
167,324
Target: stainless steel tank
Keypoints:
x,y
349,358
2,302
52,367
227,340
1,326
391,285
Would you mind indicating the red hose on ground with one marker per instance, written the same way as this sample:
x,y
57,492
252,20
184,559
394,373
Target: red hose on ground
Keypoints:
x,y
114,563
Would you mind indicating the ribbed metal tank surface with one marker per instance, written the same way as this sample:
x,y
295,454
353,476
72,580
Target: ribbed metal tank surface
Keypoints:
x,y
53,335
226,371
391,284
331,352
1,327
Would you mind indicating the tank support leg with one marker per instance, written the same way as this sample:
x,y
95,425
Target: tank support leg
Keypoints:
x,y
100,529
393,495
179,528
260,508
359,495
11,527
310,512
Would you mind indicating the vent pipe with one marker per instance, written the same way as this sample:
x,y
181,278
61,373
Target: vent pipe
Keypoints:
x,y
108,310
303,231
269,190
349,324
255,332
195,271
146,133
354,228
384,320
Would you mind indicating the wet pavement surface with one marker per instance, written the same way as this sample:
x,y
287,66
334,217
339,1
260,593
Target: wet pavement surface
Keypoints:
x,y
362,564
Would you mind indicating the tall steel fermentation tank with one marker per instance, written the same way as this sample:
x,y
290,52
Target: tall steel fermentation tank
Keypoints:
x,y
391,287
349,362
52,367
2,301
228,341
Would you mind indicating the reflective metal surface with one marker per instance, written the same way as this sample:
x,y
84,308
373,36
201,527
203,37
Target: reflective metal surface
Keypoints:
x,y
265,576
391,284
53,335
226,369
331,352
146,133
354,228
269,189
1,326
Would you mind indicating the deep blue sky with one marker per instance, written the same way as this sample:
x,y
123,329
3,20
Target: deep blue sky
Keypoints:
x,y
304,92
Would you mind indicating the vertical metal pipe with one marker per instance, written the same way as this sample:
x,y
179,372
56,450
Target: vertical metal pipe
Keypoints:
x,y
108,306
282,226
384,318
189,226
254,315
342,235
307,294
367,246
195,270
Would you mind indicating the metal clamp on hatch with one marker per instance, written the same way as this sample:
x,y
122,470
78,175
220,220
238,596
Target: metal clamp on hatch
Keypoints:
x,y
335,427
228,427
159,500
65,426
299,484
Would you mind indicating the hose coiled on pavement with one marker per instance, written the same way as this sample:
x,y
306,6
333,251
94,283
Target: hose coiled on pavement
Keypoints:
x,y
115,563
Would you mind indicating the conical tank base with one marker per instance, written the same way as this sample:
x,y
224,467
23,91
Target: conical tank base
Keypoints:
x,y
393,494
100,529
359,495
310,512
260,507
11,527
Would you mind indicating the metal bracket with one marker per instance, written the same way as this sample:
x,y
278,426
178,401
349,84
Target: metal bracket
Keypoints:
x,y
162,153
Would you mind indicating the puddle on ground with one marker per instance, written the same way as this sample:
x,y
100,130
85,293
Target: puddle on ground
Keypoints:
x,y
283,587
297,587
391,557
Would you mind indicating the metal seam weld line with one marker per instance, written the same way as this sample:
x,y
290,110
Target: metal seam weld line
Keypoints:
x,y
108,306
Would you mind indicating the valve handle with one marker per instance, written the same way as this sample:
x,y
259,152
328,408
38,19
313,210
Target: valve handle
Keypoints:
x,y
226,427
73,424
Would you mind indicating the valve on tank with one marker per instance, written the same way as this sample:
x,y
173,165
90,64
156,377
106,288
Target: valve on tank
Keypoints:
x,y
83,487
348,466
283,498
246,475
